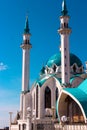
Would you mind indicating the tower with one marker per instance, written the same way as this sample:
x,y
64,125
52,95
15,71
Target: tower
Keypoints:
x,y
26,46
64,32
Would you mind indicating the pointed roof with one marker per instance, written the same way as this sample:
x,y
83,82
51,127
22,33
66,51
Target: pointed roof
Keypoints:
x,y
64,8
26,29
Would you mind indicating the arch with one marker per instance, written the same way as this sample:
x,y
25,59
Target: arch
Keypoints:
x,y
54,68
74,68
57,94
24,126
57,81
19,127
47,97
37,101
63,104
34,100
73,110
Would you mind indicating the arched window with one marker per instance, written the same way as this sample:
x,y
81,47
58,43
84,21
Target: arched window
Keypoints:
x,y
47,97
37,101
54,68
34,100
74,69
24,126
56,94
65,25
19,127
56,100
80,70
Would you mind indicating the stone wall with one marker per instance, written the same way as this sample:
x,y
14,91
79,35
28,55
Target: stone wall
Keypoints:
x,y
14,127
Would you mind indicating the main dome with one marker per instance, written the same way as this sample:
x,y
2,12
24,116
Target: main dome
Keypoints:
x,y
56,59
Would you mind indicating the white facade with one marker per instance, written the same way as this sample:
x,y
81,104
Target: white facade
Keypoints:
x,y
61,71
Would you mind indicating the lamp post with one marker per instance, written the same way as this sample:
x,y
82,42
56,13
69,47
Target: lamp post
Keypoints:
x,y
10,113
64,120
28,118
53,112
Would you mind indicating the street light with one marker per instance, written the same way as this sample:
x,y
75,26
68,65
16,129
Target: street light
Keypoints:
x,y
53,112
63,119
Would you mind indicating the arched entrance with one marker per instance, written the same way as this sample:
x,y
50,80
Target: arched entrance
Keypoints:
x,y
74,113
68,107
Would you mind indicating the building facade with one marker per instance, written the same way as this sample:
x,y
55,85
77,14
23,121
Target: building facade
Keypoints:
x,y
60,92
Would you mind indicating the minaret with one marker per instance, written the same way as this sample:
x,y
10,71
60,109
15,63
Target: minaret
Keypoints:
x,y
64,32
26,46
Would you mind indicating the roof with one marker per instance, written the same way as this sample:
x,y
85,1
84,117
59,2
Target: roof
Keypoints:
x,y
64,8
43,79
56,59
80,93
26,29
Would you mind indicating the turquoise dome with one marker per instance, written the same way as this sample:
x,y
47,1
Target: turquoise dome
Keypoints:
x,y
56,59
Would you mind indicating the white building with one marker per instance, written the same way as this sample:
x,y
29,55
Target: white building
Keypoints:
x,y
60,90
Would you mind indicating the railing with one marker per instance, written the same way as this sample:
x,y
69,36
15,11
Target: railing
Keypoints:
x,y
71,127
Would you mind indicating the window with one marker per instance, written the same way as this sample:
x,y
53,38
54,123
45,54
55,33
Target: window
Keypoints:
x,y
65,49
65,57
47,70
74,69
19,127
26,41
24,126
56,99
65,73
54,68
37,101
80,70
34,100
56,94
65,25
47,97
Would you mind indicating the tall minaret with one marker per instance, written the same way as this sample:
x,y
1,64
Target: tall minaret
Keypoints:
x,y
64,32
26,46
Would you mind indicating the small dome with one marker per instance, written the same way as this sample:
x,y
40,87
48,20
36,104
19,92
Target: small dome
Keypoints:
x,y
56,59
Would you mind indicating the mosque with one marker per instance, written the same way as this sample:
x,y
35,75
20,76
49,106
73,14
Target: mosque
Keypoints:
x,y
60,92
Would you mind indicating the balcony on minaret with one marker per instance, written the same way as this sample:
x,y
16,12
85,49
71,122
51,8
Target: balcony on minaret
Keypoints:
x,y
64,25
26,41
26,45
64,28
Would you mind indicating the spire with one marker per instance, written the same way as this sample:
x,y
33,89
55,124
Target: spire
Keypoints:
x,y
26,29
64,8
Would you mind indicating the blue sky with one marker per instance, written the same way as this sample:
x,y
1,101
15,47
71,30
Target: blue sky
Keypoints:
x,y
44,23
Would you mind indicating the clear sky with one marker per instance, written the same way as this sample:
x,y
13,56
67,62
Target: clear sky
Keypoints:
x,y
43,23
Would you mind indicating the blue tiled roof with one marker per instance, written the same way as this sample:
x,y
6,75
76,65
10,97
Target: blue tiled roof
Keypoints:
x,y
56,59
42,80
45,77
